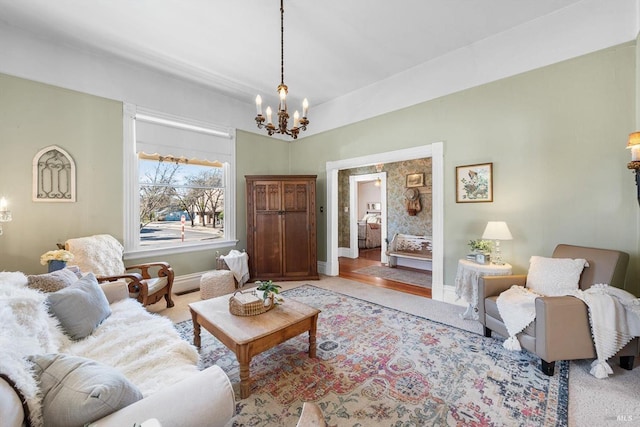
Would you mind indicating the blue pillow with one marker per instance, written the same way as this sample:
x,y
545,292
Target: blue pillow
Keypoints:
x,y
77,391
80,308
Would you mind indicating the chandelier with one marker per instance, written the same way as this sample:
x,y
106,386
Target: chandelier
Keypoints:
x,y
299,123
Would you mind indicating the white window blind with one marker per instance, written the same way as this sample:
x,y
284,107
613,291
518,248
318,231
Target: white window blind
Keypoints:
x,y
185,139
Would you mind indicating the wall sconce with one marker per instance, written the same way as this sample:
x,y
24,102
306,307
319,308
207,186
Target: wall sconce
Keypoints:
x,y
634,145
5,213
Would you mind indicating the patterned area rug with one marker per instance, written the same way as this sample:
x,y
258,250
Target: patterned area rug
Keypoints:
x,y
399,275
379,366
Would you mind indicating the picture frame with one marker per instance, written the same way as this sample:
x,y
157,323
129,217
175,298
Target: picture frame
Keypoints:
x,y
374,206
415,180
483,258
474,183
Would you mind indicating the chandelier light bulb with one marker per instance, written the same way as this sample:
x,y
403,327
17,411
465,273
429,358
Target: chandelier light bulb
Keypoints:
x,y
259,105
305,107
296,119
269,121
283,99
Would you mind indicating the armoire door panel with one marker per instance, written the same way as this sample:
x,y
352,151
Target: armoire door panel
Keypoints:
x,y
267,196
296,244
296,196
267,250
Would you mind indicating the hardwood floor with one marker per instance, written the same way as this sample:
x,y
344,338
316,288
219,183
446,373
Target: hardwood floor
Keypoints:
x,y
372,257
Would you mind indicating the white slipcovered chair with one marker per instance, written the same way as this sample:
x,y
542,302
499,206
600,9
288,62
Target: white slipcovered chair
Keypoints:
x,y
102,255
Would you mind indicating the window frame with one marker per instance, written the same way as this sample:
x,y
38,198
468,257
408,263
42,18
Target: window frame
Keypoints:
x,y
131,190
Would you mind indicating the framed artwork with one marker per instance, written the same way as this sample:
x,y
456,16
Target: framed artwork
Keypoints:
x,y
374,206
415,180
474,183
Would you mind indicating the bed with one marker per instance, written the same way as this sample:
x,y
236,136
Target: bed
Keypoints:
x,y
369,235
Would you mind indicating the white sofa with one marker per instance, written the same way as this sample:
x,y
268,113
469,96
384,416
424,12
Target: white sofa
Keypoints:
x,y
142,347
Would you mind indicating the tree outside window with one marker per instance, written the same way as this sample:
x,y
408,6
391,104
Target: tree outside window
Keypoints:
x,y
180,202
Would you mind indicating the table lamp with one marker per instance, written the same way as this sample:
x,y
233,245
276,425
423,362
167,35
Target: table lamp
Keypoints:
x,y
497,230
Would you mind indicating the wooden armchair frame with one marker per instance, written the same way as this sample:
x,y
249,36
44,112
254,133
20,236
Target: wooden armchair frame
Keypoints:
x,y
146,281
137,282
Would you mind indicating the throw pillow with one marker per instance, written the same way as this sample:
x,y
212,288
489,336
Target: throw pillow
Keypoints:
x,y
81,307
52,282
77,391
554,276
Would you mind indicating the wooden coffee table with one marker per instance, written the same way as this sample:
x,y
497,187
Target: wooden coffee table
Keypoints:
x,y
251,335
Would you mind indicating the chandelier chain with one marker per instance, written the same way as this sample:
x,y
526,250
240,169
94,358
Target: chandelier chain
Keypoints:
x,y
299,123
281,42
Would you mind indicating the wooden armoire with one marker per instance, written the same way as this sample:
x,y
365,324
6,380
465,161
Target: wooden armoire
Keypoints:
x,y
281,227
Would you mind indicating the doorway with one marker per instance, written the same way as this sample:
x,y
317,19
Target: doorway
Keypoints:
x,y
435,151
360,205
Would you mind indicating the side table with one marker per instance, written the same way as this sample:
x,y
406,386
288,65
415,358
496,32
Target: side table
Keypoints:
x,y
467,282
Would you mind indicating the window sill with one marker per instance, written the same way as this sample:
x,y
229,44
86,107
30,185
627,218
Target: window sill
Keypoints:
x,y
170,250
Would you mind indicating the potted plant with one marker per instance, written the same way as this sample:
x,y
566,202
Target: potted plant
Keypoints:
x,y
480,246
266,288
56,260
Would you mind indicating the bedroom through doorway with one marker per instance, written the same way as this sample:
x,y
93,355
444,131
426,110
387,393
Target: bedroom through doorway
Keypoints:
x,y
342,210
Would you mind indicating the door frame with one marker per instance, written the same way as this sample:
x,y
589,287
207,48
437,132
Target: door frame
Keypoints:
x,y
353,209
436,152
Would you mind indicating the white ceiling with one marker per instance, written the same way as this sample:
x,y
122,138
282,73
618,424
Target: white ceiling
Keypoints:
x,y
332,47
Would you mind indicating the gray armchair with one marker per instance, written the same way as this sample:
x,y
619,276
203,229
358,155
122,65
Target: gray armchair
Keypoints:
x,y
561,330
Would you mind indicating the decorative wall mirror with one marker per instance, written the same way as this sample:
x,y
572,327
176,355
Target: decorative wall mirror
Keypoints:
x,y
54,176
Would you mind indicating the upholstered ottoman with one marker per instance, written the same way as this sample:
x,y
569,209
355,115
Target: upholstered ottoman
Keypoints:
x,y
216,283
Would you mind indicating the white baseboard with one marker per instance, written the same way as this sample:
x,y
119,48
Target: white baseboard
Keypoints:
x,y
450,296
187,282
322,267
191,282
345,252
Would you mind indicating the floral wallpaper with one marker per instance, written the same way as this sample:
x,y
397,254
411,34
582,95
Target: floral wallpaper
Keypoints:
x,y
398,219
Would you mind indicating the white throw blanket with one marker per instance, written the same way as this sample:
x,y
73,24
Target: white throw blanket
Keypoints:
x,y
615,320
100,254
614,316
143,346
517,309
238,263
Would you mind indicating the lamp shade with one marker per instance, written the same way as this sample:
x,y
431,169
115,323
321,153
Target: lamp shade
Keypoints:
x,y
497,230
634,139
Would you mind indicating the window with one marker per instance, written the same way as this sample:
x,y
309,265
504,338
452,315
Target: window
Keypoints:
x,y
179,186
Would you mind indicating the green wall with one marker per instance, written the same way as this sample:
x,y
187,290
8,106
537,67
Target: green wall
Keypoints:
x,y
89,128
34,116
556,137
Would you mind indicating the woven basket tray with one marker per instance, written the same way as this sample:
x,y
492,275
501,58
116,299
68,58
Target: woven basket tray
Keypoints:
x,y
238,307
221,264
